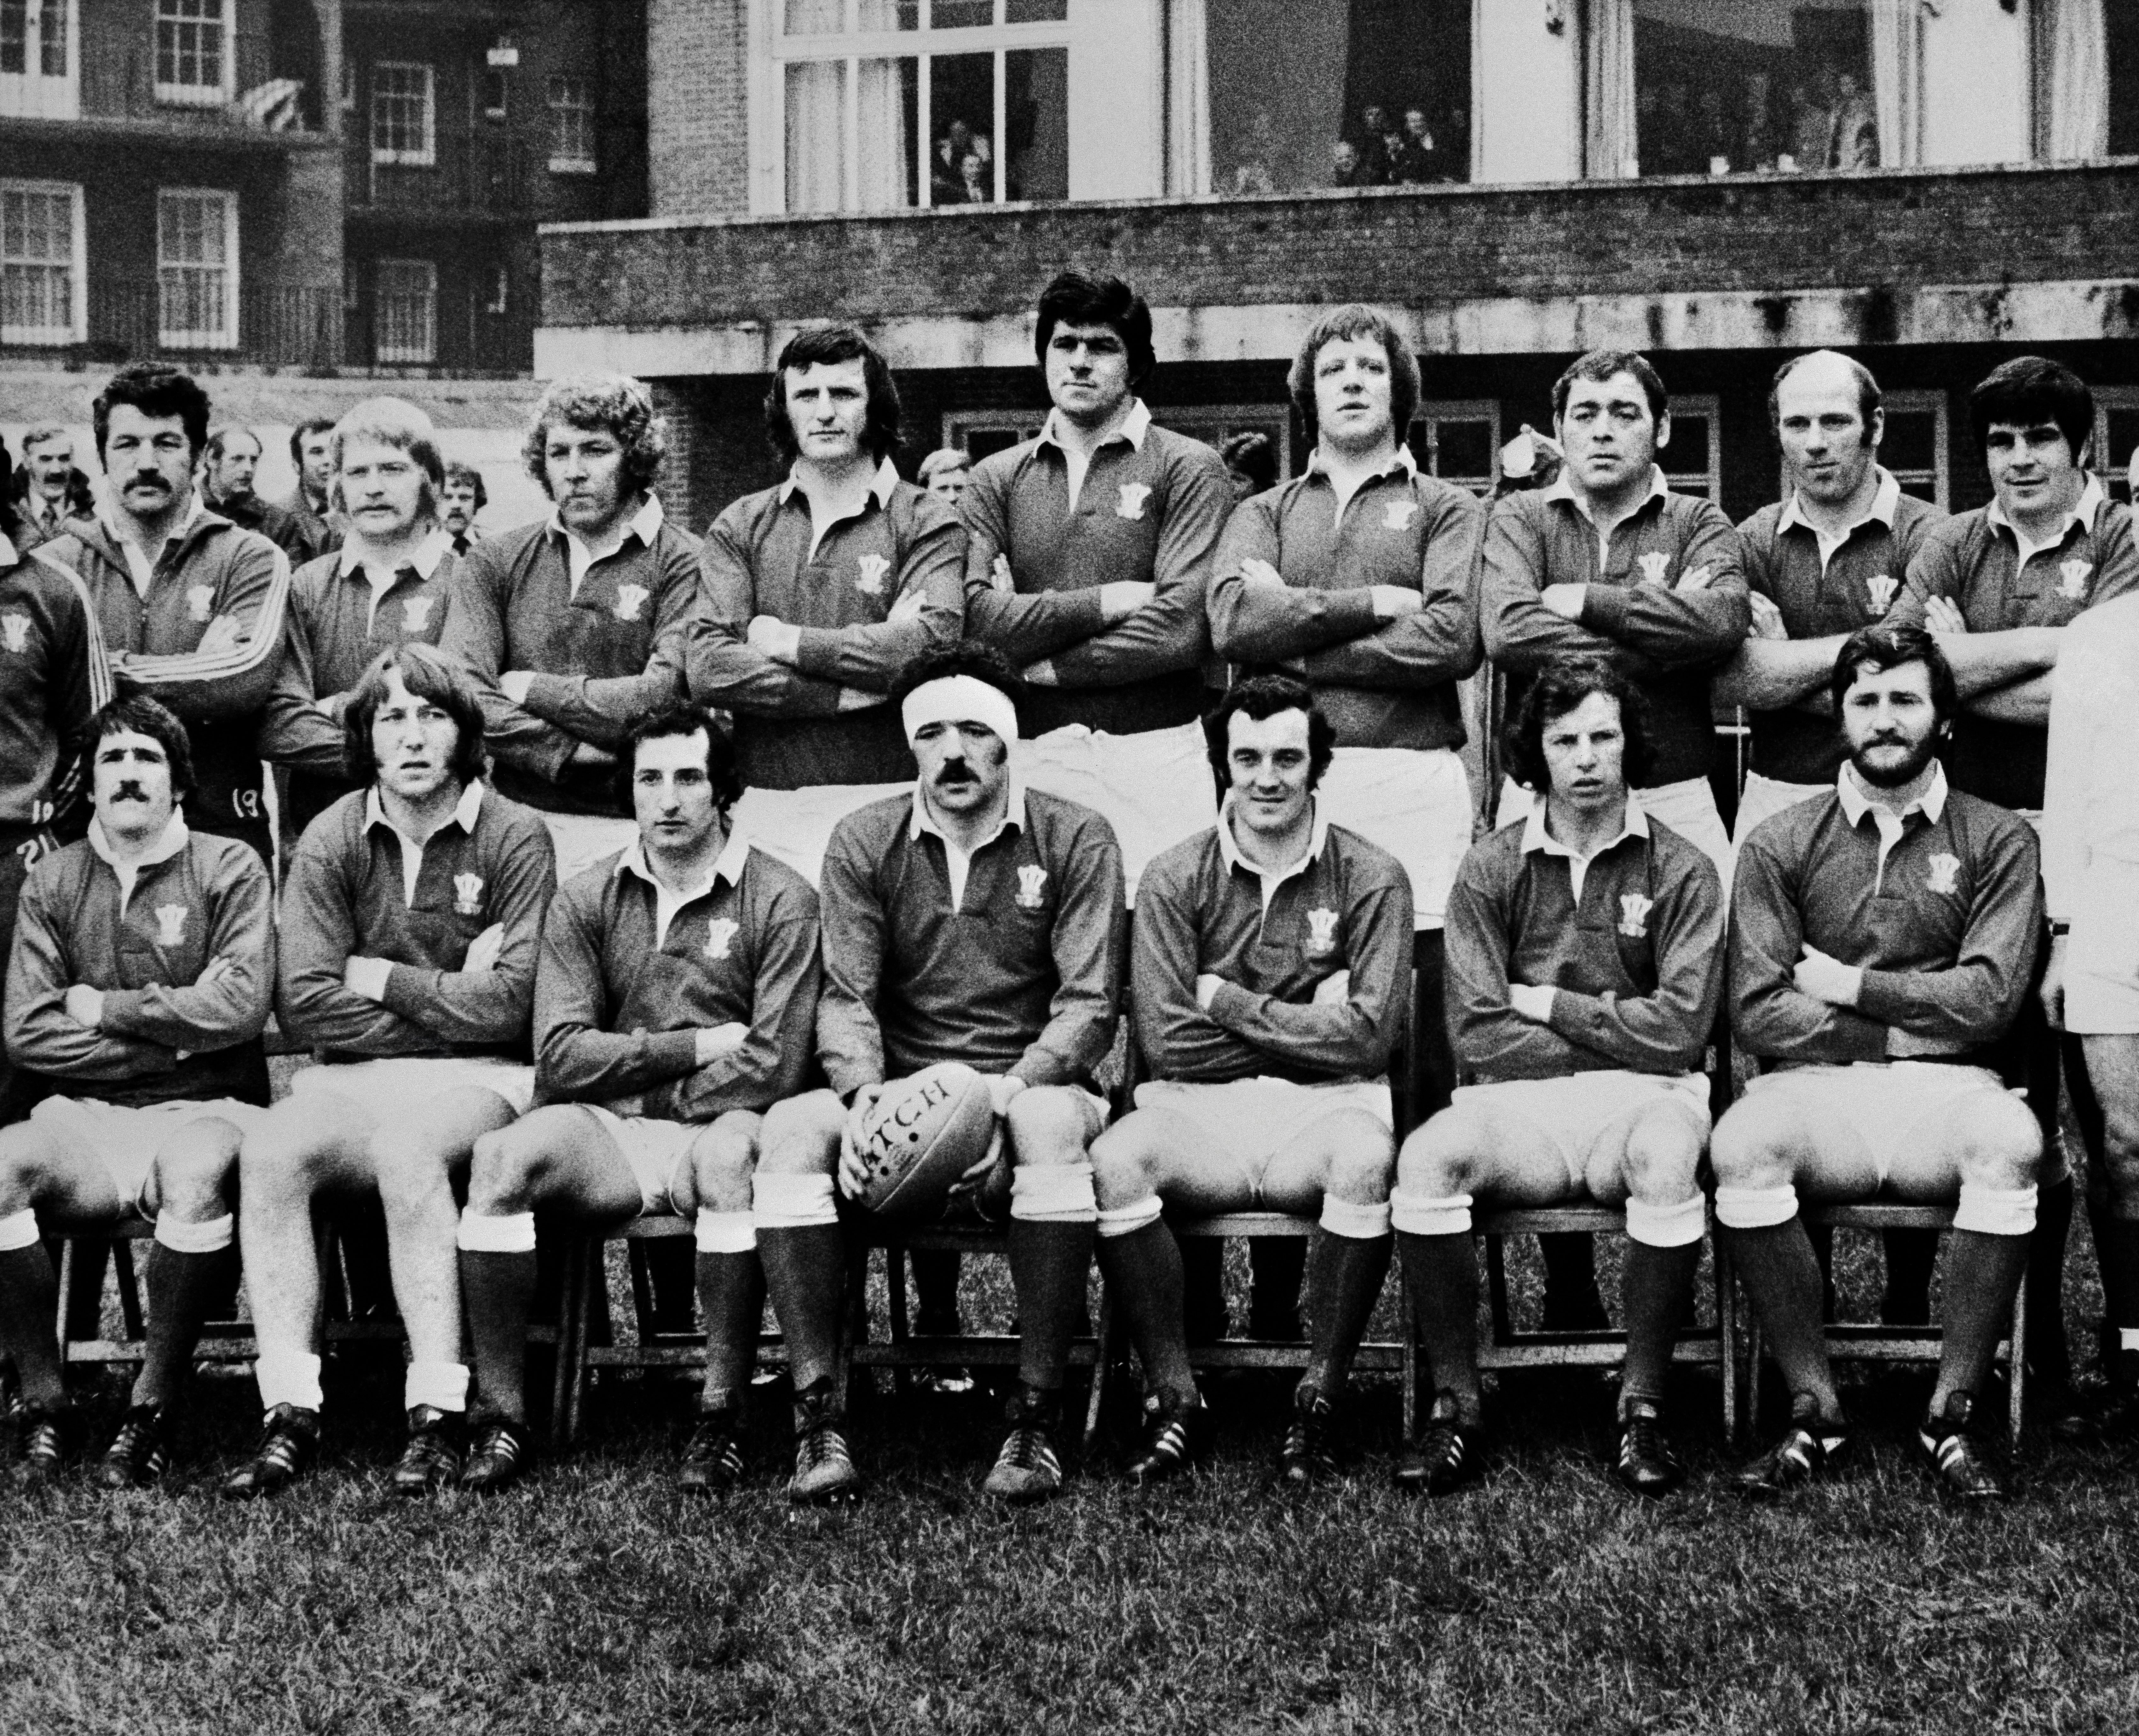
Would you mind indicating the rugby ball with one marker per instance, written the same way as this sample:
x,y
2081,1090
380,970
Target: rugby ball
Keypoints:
x,y
920,1136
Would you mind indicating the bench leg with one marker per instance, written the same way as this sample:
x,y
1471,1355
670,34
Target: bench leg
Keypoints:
x,y
1102,1359
1726,1339
894,1291
587,1266
2017,1368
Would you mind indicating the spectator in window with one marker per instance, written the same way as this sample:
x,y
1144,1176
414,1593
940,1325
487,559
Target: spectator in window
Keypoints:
x,y
1713,145
1374,153
973,188
1412,159
1856,124
1250,464
947,177
1812,121
1346,169
1252,174
1757,144
944,474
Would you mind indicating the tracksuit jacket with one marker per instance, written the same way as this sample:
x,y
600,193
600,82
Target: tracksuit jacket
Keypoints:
x,y
52,677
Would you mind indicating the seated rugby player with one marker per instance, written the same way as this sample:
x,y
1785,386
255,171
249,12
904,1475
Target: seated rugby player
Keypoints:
x,y
1271,963
1585,959
140,979
412,917
1881,940
973,921
674,1004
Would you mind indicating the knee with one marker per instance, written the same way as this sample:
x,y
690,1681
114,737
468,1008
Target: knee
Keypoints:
x,y
1361,1167
2120,1138
1752,1147
722,1162
409,1167
193,1178
25,1167
800,1137
505,1171
1663,1157
1125,1169
275,1158
1441,1158
1046,1125
2003,1145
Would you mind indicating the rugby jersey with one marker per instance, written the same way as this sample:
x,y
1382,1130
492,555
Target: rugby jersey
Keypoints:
x,y
1666,606
346,895
1151,508
877,590
1381,683
52,677
1973,561
264,518
1853,587
1634,955
1944,925
211,571
604,658
1201,909
144,948
619,1003
1022,975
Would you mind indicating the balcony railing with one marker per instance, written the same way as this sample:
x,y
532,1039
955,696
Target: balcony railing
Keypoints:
x,y
277,326
472,171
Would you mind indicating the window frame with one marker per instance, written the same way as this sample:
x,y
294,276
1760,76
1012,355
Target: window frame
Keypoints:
x,y
563,163
425,156
174,94
1211,423
187,338
34,92
1432,413
381,298
77,330
1707,406
2115,483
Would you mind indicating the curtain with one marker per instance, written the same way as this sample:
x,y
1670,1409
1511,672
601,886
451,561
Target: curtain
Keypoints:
x,y
2075,105
1897,78
816,91
886,152
1187,97
1611,146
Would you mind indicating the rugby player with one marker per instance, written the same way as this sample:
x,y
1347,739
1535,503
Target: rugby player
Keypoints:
x,y
675,1004
1585,962
138,983
1882,941
412,917
1271,959
970,920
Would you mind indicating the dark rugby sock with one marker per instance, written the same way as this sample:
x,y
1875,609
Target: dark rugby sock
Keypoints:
x,y
1048,1264
182,1289
805,1272
497,1295
29,1304
1144,1270
1655,1287
1344,1278
731,1298
1441,1272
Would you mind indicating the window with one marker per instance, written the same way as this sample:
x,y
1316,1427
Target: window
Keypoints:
x,y
571,126
36,59
348,89
194,51
43,284
499,299
2116,438
1460,443
1277,95
2086,78
490,85
403,122
1914,447
888,104
196,269
980,432
352,286
405,312
1693,462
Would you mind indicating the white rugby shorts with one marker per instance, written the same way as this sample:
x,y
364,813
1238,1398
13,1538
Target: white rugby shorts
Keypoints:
x,y
1568,1116
1896,1107
1764,798
581,840
655,1149
795,825
124,1140
1154,787
1415,803
2101,954
1252,1120
403,1082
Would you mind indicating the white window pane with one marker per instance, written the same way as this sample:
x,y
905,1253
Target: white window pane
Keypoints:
x,y
817,135
406,315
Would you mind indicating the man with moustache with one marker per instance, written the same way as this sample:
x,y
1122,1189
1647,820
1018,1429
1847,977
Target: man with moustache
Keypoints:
x,y
463,496
50,489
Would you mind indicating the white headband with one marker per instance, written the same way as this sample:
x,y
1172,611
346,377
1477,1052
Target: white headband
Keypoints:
x,y
958,699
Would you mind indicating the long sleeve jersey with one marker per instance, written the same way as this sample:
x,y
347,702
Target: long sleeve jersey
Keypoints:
x,y
2090,797
1975,561
1203,909
871,594
1665,603
619,999
163,1033
1151,508
1944,924
338,621
604,659
1019,973
1821,592
348,894
52,677
211,572
1633,952
1381,683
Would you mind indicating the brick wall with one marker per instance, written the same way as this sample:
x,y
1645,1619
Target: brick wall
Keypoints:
x,y
698,108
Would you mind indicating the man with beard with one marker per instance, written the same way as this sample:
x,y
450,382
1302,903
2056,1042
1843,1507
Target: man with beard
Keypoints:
x,y
463,497
1881,940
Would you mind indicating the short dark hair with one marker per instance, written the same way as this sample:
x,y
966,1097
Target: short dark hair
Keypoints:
x,y
1870,400
982,661
428,674
1254,456
456,471
9,484
1262,695
155,390
139,715
1357,321
721,770
829,344
1079,298
2031,390
310,425
1880,647
1599,365
1557,689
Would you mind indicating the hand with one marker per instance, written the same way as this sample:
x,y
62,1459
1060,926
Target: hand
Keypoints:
x,y
1124,597
717,1040
223,634
1333,990
325,708
1827,979
1002,1089
853,1174
1565,599
2053,982
366,977
775,638
483,950
215,970
514,684
1260,572
1207,990
1767,619
999,578
1531,453
859,699
1530,1002
1392,600
1941,615
976,1177
587,757
84,1005
1041,674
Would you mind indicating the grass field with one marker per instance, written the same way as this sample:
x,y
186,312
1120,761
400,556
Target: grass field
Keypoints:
x,y
593,1598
